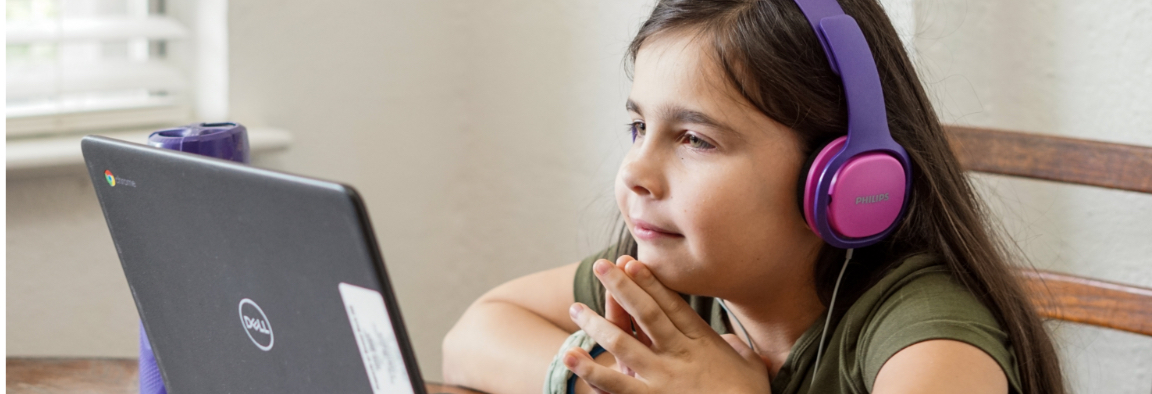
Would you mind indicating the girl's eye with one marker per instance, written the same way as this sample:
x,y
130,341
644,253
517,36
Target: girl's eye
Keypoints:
x,y
636,129
697,142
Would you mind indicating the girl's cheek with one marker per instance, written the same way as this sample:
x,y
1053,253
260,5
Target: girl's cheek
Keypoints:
x,y
621,194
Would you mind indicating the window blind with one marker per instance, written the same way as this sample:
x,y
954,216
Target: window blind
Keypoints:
x,y
87,65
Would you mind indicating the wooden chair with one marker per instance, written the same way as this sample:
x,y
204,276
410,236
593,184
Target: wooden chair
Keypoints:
x,y
1116,166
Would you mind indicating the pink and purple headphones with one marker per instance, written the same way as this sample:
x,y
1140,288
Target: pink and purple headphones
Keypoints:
x,y
857,186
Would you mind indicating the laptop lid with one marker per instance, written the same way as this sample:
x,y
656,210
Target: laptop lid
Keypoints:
x,y
250,280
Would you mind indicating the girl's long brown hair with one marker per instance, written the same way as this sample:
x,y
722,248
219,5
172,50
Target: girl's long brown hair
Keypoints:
x,y
771,55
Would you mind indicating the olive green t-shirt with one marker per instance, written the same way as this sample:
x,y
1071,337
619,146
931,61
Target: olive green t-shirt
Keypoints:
x,y
917,300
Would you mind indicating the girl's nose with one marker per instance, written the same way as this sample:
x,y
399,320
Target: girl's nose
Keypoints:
x,y
642,174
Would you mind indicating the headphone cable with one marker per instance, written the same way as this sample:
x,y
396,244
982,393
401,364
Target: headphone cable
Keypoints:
x,y
746,336
827,320
831,304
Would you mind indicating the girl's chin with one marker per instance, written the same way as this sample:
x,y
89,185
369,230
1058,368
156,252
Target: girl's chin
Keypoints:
x,y
654,256
665,265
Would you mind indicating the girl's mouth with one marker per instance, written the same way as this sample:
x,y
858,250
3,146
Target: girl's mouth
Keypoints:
x,y
649,232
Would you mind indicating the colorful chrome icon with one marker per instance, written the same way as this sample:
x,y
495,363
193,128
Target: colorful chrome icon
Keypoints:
x,y
111,179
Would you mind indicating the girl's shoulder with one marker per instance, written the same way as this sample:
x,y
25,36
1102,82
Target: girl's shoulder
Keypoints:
x,y
918,300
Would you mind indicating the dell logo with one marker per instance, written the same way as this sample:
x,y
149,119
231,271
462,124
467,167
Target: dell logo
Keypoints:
x,y
260,326
256,324
871,199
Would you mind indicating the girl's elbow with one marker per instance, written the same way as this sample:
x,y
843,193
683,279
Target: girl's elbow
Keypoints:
x,y
458,347
452,351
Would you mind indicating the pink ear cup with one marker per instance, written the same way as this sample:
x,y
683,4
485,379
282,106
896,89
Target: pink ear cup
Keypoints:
x,y
818,165
867,194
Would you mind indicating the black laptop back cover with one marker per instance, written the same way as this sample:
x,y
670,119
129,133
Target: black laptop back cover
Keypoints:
x,y
225,261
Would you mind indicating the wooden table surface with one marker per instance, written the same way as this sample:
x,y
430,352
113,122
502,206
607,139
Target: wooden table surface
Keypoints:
x,y
99,376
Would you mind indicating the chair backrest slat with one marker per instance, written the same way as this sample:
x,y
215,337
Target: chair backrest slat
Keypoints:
x,y
1076,161
1089,301
1070,160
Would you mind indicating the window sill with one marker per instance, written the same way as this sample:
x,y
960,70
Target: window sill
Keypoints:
x,y
43,156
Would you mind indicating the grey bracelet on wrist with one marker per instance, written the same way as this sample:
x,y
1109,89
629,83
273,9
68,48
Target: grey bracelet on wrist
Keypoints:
x,y
556,381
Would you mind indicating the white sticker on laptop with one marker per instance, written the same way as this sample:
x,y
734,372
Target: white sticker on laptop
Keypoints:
x,y
377,341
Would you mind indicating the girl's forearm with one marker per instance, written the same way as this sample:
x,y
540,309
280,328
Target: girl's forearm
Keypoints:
x,y
499,347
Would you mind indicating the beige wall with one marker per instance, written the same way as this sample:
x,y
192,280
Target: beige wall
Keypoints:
x,y
1069,68
484,137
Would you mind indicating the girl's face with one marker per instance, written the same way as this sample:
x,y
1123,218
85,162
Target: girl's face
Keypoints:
x,y
708,188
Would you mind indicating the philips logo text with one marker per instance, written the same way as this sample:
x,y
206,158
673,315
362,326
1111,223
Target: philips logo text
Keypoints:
x,y
256,324
871,199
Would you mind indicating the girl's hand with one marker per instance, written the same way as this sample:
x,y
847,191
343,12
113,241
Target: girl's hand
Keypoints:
x,y
616,314
674,350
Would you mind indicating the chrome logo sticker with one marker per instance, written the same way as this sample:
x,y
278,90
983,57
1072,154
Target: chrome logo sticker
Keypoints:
x,y
256,324
114,180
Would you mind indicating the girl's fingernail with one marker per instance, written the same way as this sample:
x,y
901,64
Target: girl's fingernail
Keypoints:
x,y
600,267
570,361
634,269
574,311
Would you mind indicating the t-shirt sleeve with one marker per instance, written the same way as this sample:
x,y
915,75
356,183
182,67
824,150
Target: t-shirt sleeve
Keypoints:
x,y
933,307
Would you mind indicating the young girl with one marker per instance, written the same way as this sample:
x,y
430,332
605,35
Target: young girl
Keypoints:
x,y
731,102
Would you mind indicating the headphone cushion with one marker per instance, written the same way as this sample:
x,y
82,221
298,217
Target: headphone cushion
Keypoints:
x,y
826,154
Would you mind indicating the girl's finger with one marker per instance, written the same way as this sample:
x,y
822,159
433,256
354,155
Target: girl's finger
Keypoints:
x,y
621,344
640,334
623,260
675,308
612,309
638,303
741,348
598,376
616,313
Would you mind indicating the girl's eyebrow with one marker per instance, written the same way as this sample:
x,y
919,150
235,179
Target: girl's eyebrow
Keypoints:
x,y
631,106
683,115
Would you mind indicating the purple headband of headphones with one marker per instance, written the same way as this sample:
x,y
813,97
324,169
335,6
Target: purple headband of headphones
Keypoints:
x,y
868,166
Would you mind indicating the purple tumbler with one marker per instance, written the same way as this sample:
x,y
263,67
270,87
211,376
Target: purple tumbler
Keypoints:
x,y
228,141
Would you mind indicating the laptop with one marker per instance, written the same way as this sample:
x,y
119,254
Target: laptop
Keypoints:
x,y
249,280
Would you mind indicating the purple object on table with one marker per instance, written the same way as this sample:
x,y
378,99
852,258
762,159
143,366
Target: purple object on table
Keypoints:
x,y
228,141
150,380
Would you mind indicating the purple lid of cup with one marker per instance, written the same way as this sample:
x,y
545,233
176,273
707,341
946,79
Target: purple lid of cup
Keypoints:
x,y
227,140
